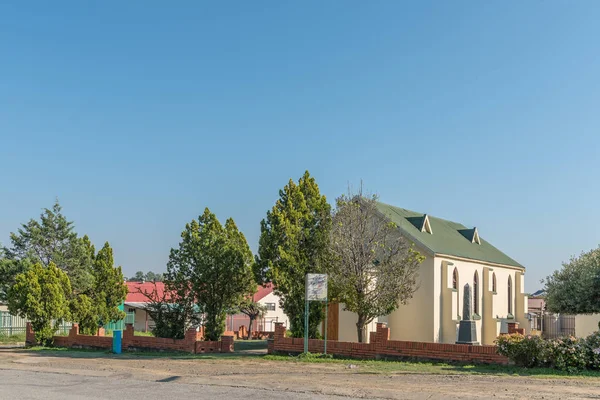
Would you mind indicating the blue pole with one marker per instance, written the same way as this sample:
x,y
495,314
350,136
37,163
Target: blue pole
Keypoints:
x,y
117,342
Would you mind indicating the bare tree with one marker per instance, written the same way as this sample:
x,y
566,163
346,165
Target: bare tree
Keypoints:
x,y
254,311
173,310
374,268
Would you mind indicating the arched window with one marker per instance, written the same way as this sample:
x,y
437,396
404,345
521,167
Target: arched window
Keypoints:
x,y
476,293
494,282
510,296
455,279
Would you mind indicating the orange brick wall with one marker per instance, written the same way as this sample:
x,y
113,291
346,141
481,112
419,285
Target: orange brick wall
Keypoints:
x,y
192,342
381,347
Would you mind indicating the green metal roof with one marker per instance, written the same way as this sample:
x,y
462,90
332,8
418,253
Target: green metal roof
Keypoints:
x,y
450,238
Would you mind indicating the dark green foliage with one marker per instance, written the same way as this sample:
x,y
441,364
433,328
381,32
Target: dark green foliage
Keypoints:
x,y
567,353
99,304
149,277
41,295
575,289
53,239
9,269
217,263
293,242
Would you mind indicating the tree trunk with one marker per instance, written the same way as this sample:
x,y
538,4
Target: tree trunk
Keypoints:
x,y
360,329
250,328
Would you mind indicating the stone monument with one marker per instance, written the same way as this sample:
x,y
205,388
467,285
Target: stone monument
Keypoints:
x,y
467,332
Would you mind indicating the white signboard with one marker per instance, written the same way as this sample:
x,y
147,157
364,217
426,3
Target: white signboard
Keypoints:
x,y
316,287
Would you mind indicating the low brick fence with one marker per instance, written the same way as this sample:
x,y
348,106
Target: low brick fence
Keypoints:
x,y
381,347
191,343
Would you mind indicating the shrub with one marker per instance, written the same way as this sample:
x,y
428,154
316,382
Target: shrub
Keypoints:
x,y
569,353
592,343
525,351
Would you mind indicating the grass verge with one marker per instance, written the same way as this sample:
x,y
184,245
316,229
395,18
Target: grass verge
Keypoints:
x,y
416,367
360,366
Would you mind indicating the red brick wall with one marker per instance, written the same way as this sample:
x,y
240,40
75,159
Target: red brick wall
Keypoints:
x,y
192,342
381,347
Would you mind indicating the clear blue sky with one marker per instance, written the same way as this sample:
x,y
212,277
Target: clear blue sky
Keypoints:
x,y
137,115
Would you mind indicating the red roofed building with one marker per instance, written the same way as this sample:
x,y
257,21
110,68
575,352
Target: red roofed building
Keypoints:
x,y
136,290
136,302
265,296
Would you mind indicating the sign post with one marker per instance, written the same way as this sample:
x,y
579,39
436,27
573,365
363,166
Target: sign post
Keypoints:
x,y
316,290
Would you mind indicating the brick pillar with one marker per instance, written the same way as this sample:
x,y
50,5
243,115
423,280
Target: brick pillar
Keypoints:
x,y
513,327
101,331
127,338
74,331
270,346
381,338
190,339
373,337
29,335
226,344
279,330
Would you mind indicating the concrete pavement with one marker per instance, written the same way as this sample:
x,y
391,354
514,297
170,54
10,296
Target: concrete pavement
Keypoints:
x,y
18,384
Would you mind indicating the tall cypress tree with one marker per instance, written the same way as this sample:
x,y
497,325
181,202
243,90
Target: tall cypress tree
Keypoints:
x,y
216,262
293,242
53,239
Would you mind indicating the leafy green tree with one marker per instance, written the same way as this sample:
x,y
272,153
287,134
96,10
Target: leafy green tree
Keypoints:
x,y
149,277
9,269
294,241
53,239
139,276
217,262
41,295
100,304
374,268
575,289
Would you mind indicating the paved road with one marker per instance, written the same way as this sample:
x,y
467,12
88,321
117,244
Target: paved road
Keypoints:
x,y
29,385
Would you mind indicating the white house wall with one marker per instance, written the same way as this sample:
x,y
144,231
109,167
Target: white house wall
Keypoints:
x,y
347,331
273,316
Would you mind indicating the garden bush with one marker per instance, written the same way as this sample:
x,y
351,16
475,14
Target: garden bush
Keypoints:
x,y
566,353
592,344
525,351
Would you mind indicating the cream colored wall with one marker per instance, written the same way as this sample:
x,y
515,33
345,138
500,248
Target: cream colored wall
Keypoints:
x,y
586,324
432,314
448,312
347,326
499,308
3,307
415,321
